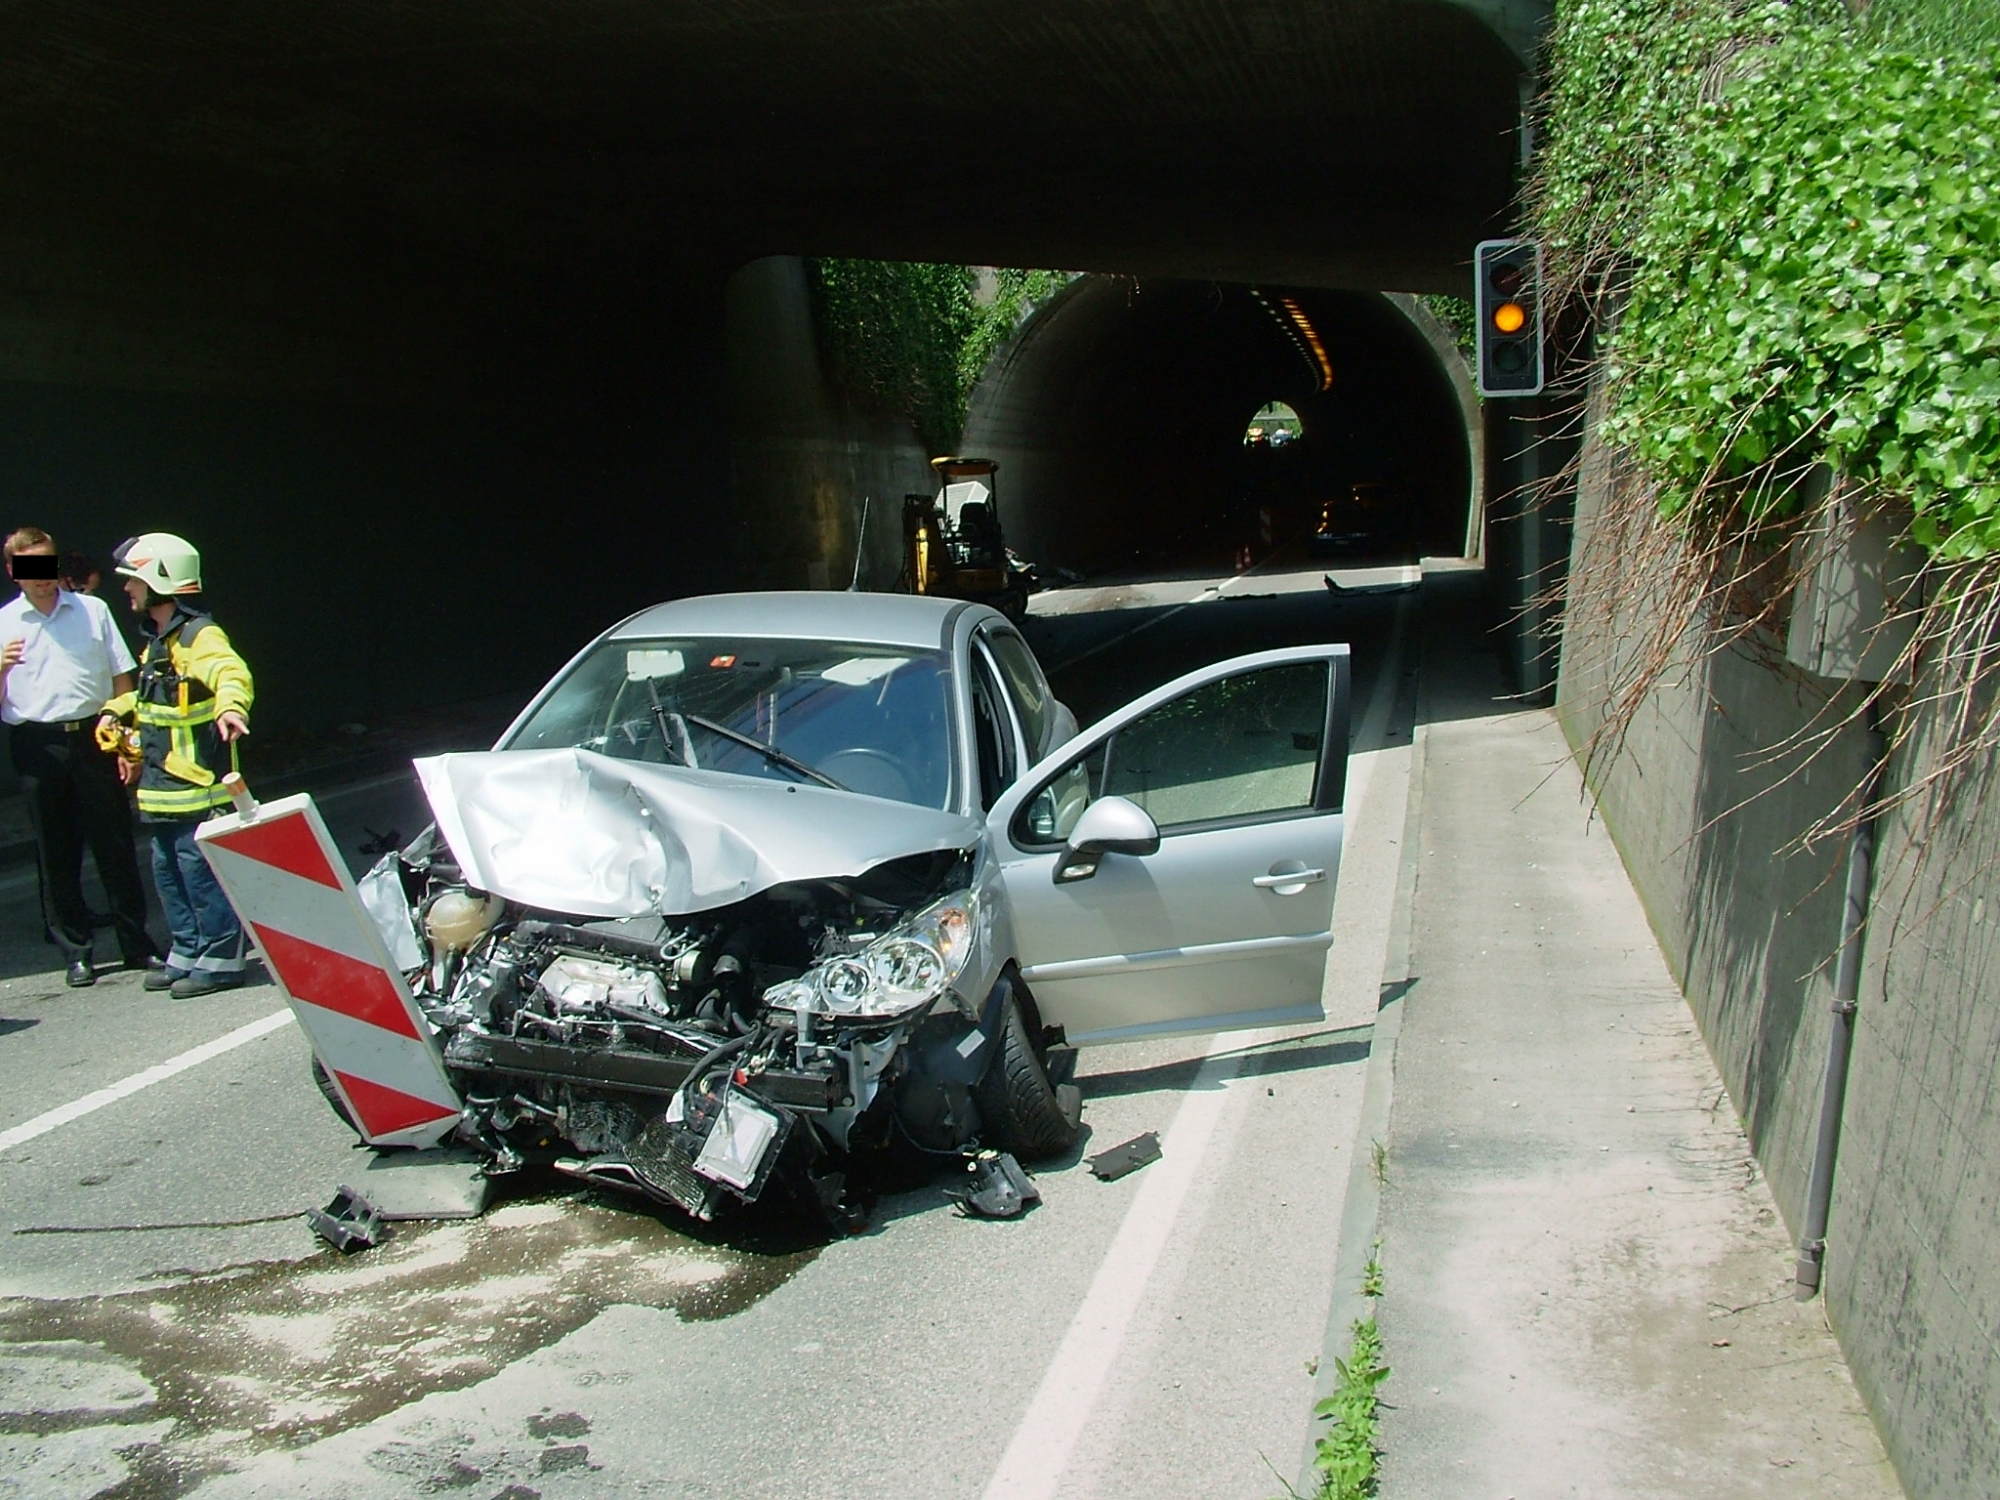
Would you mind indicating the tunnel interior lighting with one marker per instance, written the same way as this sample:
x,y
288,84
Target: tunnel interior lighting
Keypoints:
x,y
1297,327
1311,335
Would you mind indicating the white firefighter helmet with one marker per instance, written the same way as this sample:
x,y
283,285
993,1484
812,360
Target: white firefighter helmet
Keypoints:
x,y
165,563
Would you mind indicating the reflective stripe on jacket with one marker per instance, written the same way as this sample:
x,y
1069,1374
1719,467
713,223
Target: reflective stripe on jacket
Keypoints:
x,y
188,676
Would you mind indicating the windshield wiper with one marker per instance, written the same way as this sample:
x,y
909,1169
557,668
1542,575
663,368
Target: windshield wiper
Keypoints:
x,y
661,713
771,753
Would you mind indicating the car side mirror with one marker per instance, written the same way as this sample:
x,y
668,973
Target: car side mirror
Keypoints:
x,y
1110,825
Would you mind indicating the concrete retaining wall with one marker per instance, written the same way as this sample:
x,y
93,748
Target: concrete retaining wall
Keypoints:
x,y
1705,808
801,460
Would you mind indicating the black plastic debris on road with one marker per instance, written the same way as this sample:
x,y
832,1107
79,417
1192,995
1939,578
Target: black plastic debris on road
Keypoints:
x,y
348,1223
1120,1161
996,1188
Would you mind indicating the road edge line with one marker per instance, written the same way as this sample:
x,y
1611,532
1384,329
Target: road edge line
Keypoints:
x,y
124,1088
1042,1445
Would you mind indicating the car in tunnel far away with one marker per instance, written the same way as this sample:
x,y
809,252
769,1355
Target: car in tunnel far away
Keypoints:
x,y
761,885
1369,518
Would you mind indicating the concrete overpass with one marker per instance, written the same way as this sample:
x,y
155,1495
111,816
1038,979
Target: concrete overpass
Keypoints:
x,y
413,314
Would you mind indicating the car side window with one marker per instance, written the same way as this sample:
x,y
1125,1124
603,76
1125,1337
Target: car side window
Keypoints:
x,y
1237,749
1024,680
992,734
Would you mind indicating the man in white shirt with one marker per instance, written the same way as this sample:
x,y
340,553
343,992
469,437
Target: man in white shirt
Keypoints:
x,y
61,658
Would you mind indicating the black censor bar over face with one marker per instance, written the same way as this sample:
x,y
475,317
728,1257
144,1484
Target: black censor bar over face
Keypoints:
x,y
35,565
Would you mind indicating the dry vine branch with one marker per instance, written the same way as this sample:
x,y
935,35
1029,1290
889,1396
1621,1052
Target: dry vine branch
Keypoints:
x,y
1659,596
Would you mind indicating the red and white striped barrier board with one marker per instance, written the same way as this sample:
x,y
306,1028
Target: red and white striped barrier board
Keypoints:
x,y
290,886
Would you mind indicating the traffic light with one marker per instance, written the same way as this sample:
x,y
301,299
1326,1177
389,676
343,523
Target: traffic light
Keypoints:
x,y
1507,281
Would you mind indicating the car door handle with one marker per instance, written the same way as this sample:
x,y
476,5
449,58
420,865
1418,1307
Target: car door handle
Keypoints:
x,y
1290,877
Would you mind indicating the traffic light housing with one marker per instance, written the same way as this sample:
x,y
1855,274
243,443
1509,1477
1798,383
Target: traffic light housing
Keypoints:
x,y
1507,285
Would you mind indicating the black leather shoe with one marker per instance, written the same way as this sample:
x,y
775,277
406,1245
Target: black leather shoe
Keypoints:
x,y
81,975
157,979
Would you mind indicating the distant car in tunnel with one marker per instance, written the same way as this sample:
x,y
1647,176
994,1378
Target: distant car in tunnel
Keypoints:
x,y
1368,518
761,886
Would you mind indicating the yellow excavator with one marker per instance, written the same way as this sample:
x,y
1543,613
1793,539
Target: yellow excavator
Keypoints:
x,y
952,542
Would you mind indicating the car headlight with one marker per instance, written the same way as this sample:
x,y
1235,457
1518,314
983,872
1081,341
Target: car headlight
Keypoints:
x,y
907,967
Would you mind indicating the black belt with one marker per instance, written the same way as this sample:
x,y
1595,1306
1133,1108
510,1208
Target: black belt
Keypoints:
x,y
70,726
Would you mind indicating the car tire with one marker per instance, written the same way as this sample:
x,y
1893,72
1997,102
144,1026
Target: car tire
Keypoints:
x,y
1018,1105
324,1082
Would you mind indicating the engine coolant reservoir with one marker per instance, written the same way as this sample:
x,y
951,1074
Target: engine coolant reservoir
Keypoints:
x,y
458,919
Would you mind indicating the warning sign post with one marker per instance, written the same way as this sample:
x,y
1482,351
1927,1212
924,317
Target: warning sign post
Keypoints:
x,y
291,888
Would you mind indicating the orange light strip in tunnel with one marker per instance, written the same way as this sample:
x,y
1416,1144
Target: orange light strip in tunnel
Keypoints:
x,y
1305,327
1294,325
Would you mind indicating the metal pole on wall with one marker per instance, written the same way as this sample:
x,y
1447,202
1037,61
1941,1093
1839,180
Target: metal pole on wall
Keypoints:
x,y
1846,993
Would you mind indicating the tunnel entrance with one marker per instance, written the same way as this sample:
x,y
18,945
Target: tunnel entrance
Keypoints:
x,y
1135,418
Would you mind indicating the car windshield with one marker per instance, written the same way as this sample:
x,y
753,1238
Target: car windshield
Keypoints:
x,y
871,719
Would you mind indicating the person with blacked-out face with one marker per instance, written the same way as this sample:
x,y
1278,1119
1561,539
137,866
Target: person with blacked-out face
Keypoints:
x,y
61,658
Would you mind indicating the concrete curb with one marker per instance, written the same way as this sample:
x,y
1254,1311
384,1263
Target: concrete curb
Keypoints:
x,y
1362,1208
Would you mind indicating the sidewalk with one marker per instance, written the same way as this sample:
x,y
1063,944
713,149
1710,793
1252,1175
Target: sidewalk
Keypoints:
x,y
1587,1287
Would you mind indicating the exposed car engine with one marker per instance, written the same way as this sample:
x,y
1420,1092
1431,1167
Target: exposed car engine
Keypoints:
x,y
705,1059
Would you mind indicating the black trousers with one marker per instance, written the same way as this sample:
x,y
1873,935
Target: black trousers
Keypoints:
x,y
74,798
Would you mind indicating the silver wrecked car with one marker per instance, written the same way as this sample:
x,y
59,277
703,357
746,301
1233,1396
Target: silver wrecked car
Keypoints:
x,y
762,884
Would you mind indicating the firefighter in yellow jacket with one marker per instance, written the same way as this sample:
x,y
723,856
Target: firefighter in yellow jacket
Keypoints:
x,y
190,708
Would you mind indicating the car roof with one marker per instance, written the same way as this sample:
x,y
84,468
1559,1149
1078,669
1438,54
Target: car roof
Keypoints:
x,y
914,621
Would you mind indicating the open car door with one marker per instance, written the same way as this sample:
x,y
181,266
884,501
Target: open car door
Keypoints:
x,y
1172,868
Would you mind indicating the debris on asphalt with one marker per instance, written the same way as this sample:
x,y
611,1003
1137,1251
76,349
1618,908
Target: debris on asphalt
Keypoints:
x,y
439,1183
996,1188
1120,1161
349,1223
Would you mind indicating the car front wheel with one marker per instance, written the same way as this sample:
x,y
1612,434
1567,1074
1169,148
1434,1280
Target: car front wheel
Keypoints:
x,y
1022,1111
324,1083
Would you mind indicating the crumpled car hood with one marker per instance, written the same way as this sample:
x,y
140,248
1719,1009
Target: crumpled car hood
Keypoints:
x,y
586,835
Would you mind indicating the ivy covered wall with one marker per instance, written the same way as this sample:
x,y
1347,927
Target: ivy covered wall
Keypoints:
x,y
908,338
1799,204
1782,218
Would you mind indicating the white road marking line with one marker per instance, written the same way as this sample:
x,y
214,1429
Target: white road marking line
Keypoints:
x,y
124,1088
1037,1457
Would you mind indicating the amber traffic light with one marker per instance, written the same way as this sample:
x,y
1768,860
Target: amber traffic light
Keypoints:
x,y
1507,283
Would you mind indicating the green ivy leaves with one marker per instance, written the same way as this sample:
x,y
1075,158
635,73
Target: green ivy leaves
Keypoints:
x,y
892,332
1813,252
911,337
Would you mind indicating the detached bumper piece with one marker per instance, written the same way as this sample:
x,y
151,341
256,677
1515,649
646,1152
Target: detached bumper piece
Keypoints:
x,y
726,1149
349,1223
995,1188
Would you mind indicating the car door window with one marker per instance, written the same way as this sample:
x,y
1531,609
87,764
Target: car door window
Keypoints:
x,y
992,733
1238,749
1025,682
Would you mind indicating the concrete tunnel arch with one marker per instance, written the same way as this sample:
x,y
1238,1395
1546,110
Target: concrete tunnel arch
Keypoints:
x,y
451,286
1118,411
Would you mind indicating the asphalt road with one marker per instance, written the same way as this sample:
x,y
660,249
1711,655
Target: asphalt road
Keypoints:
x,y
168,1326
